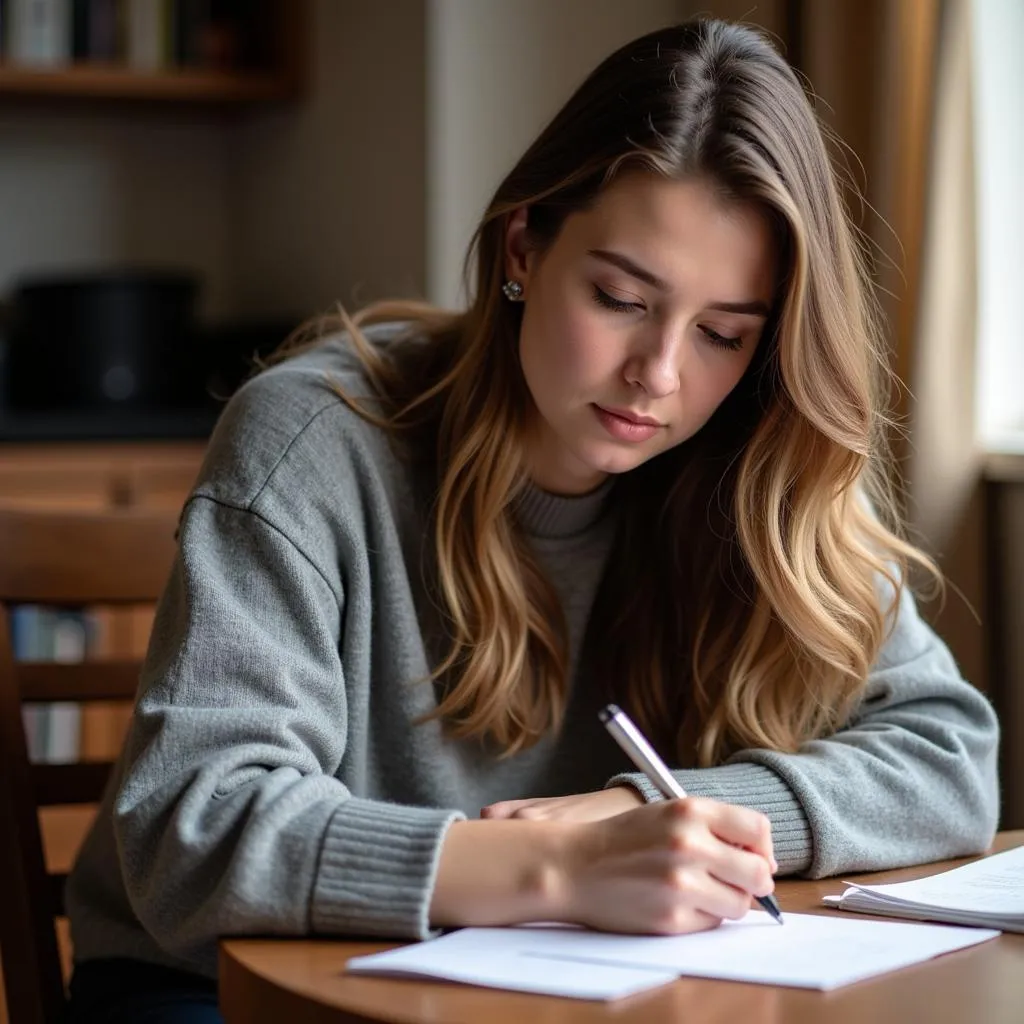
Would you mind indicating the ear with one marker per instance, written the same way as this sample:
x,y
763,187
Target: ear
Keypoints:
x,y
518,252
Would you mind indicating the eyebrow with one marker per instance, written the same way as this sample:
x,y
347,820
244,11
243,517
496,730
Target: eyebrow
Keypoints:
x,y
624,263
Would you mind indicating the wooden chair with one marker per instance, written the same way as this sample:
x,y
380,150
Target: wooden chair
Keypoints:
x,y
66,560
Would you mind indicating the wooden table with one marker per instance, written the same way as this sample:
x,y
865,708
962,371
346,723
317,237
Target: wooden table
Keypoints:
x,y
302,982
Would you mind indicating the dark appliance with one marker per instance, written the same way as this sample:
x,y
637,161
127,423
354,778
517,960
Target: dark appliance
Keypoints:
x,y
106,340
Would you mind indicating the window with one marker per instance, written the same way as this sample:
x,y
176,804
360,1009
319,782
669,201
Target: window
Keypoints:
x,y
998,34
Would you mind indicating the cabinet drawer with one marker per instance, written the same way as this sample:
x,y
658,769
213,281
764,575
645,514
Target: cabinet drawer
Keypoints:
x,y
98,476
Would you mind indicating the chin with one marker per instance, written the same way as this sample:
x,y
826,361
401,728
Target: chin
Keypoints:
x,y
616,461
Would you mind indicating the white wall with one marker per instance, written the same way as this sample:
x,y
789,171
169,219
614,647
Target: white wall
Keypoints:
x,y
87,189
496,73
330,201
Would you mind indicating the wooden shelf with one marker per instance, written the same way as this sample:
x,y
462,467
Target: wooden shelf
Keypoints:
x,y
94,81
1005,467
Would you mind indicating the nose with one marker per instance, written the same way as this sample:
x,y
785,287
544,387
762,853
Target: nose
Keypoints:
x,y
656,363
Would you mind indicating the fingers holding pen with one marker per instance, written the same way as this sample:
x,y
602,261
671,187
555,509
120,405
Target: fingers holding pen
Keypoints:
x,y
711,833
669,867
747,858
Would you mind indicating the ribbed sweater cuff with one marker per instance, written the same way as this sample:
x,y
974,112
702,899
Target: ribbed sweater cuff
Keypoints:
x,y
748,785
377,869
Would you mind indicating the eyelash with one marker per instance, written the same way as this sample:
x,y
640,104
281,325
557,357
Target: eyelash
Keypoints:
x,y
721,341
615,305
602,298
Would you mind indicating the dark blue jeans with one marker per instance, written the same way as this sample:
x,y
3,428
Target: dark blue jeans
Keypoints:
x,y
123,991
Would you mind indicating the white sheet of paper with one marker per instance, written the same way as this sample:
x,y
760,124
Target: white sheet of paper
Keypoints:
x,y
993,885
809,951
498,958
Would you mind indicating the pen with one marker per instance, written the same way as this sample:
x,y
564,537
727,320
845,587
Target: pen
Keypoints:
x,y
643,755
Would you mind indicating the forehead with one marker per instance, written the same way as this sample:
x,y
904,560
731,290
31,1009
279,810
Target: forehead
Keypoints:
x,y
683,232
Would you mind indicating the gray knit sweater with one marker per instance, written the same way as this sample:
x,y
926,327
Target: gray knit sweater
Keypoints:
x,y
275,781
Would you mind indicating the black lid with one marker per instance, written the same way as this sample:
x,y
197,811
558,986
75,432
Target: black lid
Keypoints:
x,y
112,277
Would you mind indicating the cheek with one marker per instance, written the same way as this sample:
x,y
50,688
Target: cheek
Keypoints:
x,y
564,343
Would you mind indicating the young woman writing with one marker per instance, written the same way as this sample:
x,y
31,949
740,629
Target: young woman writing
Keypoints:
x,y
645,465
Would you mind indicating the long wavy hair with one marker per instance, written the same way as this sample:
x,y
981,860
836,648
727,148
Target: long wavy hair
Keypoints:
x,y
757,565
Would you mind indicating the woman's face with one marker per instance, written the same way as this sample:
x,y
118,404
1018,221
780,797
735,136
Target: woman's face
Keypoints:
x,y
638,321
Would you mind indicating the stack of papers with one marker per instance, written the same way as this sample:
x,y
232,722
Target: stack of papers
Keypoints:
x,y
808,951
987,892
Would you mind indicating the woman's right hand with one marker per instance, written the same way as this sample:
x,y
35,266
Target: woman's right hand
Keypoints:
x,y
666,868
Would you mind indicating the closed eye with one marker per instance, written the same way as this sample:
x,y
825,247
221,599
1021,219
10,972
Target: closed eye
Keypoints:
x,y
602,298
721,341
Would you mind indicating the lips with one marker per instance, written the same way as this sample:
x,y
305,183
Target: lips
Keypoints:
x,y
631,417
626,426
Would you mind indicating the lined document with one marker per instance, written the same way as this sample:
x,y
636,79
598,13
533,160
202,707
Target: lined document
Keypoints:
x,y
809,951
987,892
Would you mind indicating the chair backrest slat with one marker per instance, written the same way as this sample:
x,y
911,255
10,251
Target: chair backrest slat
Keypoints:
x,y
68,560
41,681
56,883
75,559
79,783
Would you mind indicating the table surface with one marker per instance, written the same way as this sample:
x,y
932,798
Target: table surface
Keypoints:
x,y
302,980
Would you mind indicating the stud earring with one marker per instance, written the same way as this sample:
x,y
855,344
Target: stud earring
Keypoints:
x,y
513,291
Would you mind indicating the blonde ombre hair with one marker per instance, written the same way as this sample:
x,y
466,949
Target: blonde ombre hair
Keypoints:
x,y
757,565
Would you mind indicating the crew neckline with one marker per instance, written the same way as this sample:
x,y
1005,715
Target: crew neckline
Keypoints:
x,y
543,514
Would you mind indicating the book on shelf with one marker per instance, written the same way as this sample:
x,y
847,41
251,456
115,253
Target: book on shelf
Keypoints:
x,y
96,30
141,35
149,34
37,33
53,730
134,33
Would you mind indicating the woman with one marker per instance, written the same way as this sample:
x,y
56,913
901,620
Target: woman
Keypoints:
x,y
646,464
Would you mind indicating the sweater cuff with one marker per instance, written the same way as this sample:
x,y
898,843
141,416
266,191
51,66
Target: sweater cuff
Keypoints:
x,y
378,863
748,785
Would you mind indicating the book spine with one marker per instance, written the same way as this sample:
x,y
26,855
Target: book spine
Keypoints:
x,y
104,42
26,643
192,18
63,741
39,33
146,24
53,730
80,30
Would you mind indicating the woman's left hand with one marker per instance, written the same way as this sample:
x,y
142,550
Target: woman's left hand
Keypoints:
x,y
605,803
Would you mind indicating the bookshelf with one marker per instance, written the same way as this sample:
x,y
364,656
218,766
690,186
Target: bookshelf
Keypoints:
x,y
265,63
111,82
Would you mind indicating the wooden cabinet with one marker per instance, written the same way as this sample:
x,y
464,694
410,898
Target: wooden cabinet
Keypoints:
x,y
96,476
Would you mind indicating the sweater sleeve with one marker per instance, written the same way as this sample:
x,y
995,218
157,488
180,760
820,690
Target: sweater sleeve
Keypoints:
x,y
229,818
911,778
